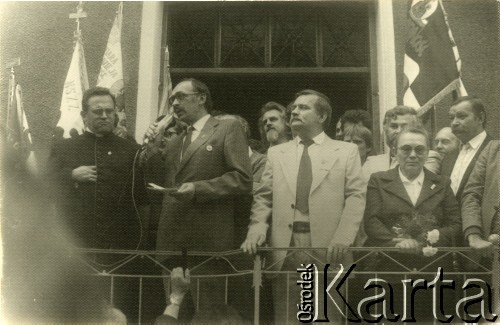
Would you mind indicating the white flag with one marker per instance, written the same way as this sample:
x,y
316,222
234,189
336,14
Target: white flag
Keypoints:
x,y
111,74
75,85
31,162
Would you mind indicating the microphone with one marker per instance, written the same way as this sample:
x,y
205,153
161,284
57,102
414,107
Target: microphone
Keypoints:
x,y
163,122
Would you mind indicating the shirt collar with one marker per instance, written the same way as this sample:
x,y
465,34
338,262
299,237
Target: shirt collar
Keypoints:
x,y
93,133
319,139
198,125
477,140
419,180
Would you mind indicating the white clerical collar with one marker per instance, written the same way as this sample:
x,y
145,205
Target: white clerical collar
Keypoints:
x,y
90,131
198,125
419,179
477,140
319,139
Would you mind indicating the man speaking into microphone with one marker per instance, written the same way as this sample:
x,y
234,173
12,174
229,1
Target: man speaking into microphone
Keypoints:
x,y
207,168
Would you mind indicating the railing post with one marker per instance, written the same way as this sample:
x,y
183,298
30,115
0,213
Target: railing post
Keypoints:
x,y
495,239
257,283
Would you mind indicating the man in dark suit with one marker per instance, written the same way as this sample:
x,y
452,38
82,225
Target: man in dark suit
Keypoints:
x,y
468,119
207,169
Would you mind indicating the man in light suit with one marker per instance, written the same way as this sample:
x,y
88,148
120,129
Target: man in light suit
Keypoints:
x,y
481,199
311,195
207,169
396,120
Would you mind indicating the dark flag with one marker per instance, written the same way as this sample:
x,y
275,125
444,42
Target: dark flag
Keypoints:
x,y
431,63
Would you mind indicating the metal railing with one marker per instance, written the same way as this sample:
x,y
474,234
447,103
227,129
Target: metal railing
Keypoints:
x,y
259,269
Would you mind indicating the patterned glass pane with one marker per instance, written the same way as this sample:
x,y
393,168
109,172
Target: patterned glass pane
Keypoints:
x,y
294,39
345,36
243,38
191,41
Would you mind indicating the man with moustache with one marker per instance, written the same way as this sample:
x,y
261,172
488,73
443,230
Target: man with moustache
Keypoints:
x,y
273,124
312,195
468,120
446,142
207,170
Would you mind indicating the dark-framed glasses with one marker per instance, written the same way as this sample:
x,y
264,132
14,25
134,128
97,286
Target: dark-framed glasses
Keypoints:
x,y
179,96
419,150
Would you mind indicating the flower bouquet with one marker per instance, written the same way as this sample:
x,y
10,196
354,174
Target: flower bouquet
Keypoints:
x,y
422,228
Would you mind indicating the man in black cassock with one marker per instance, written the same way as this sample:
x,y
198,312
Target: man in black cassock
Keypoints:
x,y
101,197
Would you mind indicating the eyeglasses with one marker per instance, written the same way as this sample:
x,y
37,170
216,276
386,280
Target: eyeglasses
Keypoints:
x,y
407,149
179,96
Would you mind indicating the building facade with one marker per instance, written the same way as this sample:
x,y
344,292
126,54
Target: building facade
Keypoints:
x,y
247,52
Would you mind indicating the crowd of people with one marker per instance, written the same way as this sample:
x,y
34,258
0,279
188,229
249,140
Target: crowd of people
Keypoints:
x,y
296,187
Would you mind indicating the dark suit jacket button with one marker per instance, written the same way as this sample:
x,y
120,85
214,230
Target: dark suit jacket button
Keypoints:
x,y
292,206
290,226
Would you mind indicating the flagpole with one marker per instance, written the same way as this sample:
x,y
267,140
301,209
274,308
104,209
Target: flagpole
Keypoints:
x,y
76,82
433,122
167,84
12,88
79,14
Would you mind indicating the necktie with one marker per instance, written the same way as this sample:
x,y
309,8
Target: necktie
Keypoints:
x,y
187,140
304,179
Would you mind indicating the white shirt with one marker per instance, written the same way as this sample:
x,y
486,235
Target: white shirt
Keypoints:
x,y
313,148
464,158
414,187
198,126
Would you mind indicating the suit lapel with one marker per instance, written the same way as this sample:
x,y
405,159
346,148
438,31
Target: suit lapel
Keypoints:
x,y
290,165
322,163
394,185
471,166
431,186
204,135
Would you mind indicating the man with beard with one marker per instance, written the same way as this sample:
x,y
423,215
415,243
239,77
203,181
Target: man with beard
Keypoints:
x,y
273,124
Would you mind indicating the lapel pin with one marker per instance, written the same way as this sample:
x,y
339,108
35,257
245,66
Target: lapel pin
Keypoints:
x,y
209,148
433,186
